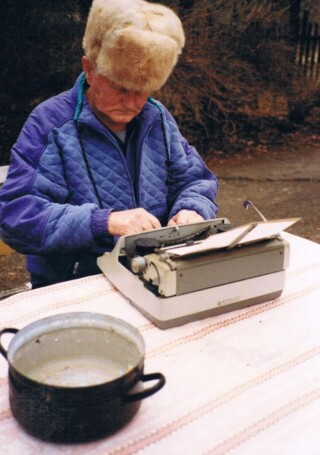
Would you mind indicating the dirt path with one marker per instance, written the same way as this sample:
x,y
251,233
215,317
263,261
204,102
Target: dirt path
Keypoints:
x,y
282,183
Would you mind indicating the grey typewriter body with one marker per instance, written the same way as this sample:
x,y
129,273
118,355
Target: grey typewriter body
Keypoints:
x,y
171,290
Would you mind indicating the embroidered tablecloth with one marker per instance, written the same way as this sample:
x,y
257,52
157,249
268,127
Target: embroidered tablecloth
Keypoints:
x,y
246,382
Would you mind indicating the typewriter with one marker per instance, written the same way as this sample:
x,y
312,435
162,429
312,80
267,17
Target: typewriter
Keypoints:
x,y
175,275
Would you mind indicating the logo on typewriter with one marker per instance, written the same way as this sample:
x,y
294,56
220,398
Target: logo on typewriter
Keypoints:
x,y
228,301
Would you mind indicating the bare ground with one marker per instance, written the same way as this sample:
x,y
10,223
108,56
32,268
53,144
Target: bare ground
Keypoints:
x,y
283,182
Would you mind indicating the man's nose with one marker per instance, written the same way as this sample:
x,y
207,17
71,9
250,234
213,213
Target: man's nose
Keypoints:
x,y
130,100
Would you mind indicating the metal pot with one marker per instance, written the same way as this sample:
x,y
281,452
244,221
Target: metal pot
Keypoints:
x,y
76,376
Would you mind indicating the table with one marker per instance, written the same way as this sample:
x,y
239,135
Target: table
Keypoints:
x,y
246,382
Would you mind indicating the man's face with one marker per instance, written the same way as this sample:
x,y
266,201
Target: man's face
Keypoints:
x,y
115,106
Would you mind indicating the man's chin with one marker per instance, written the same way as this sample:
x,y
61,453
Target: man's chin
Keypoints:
x,y
122,118
116,119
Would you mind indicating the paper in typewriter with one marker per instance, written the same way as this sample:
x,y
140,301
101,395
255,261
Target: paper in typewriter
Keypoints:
x,y
248,233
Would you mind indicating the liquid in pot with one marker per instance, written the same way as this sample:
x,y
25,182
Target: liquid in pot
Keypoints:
x,y
77,357
78,371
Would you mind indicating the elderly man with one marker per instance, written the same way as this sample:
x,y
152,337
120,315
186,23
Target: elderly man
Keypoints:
x,y
104,159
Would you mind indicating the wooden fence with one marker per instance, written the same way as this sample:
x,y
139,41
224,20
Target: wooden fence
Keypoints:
x,y
308,48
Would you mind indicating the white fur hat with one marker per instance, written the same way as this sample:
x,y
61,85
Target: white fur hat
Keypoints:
x,y
134,43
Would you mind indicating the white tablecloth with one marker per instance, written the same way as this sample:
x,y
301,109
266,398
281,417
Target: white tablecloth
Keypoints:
x,y
246,382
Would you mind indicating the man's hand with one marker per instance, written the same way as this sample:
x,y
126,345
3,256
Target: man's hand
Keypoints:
x,y
131,222
185,217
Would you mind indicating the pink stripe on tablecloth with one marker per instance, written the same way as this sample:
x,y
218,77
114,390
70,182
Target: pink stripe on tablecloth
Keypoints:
x,y
47,290
301,270
156,435
54,306
147,326
251,431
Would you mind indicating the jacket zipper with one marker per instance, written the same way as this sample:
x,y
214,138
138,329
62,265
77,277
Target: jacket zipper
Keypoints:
x,y
114,142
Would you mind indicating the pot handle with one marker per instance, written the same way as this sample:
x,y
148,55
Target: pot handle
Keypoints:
x,y
147,392
2,332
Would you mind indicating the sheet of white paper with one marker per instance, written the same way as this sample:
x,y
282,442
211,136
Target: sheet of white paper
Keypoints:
x,y
251,232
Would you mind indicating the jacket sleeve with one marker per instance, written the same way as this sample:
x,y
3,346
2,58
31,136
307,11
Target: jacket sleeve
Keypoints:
x,y
35,216
192,186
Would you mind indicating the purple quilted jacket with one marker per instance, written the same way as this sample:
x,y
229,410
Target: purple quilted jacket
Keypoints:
x,y
68,172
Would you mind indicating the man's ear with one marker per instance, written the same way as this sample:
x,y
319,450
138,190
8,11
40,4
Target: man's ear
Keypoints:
x,y
88,68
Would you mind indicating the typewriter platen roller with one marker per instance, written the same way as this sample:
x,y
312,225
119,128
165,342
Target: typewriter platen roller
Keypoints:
x,y
172,289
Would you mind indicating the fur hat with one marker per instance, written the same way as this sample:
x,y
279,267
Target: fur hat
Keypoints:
x,y
134,43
